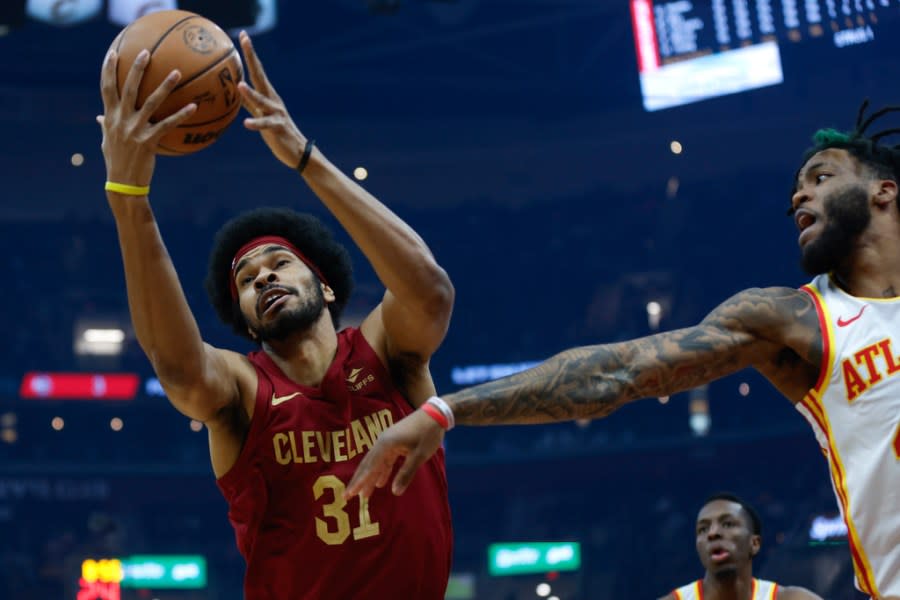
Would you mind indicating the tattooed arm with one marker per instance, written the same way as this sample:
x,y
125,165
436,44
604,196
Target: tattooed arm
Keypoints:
x,y
772,329
757,327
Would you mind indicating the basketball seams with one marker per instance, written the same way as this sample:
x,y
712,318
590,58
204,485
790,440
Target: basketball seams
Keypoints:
x,y
206,69
161,36
210,122
169,30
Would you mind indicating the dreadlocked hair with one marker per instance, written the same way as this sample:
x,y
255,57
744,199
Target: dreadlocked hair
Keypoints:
x,y
304,231
882,159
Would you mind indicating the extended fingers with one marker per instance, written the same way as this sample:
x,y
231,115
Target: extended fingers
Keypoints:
x,y
407,471
260,123
108,90
254,66
256,103
133,81
173,120
155,100
372,472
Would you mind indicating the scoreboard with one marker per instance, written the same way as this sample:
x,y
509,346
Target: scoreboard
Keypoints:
x,y
690,50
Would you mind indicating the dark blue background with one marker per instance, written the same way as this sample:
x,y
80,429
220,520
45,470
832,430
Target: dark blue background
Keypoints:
x,y
511,136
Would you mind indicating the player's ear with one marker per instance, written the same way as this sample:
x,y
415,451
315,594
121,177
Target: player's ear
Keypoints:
x,y
328,293
755,544
886,192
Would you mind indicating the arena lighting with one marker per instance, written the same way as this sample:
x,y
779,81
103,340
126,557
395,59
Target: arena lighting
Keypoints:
x,y
98,338
63,12
698,408
654,314
254,16
123,12
104,336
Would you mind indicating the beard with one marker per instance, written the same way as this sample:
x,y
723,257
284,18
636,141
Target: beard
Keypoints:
x,y
848,216
290,321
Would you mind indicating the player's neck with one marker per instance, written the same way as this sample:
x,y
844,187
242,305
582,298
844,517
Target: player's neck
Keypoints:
x,y
874,271
305,356
739,587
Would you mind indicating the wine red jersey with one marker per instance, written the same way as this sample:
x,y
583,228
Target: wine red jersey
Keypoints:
x,y
299,537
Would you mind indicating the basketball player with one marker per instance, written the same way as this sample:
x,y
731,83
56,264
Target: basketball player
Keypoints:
x,y
729,535
289,423
832,348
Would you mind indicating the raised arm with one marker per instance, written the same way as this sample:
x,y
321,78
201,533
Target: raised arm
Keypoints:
x,y
196,377
770,329
752,328
413,318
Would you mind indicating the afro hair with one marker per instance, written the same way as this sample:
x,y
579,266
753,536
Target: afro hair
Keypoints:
x,y
304,231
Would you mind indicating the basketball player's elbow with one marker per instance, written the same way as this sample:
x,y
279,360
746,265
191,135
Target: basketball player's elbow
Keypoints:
x,y
437,295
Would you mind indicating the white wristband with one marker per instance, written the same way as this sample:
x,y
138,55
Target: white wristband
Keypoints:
x,y
445,410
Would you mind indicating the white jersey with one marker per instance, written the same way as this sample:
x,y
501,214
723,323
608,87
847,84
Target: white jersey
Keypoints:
x,y
854,410
762,590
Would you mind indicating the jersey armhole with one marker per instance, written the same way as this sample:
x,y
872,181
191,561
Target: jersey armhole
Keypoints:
x,y
827,339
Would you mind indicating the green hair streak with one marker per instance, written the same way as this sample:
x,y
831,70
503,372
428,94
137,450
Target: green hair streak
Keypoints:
x,y
829,137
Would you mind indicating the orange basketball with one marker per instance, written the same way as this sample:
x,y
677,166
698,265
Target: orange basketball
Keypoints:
x,y
210,71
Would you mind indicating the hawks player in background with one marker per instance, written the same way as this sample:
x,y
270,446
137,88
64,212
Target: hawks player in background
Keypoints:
x,y
832,348
729,536
289,423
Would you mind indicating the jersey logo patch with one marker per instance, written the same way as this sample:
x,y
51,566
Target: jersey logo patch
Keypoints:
x,y
276,400
842,323
354,373
358,378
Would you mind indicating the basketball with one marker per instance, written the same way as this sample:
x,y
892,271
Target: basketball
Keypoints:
x,y
210,71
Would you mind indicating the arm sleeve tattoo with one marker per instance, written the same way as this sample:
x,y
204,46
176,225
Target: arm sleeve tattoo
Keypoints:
x,y
593,381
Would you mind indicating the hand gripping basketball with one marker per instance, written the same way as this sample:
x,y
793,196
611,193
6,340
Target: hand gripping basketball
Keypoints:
x,y
129,137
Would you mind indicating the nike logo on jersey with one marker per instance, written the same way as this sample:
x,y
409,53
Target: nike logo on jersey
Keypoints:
x,y
842,323
276,400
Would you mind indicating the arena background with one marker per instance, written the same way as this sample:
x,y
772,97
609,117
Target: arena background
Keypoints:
x,y
515,138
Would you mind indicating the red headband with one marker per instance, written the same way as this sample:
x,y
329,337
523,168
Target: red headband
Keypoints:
x,y
269,239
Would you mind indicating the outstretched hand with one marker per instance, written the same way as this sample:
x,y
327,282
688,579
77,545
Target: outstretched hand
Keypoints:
x,y
416,437
130,138
269,114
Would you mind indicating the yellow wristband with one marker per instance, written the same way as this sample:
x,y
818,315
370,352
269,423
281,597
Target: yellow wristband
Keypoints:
x,y
128,190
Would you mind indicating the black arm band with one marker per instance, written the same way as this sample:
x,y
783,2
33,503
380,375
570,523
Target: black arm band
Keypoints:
x,y
307,150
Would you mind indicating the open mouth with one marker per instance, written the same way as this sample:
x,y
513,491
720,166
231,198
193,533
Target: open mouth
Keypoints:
x,y
804,220
271,301
719,555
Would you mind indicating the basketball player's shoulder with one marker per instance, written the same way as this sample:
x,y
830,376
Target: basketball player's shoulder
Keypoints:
x,y
235,361
795,593
238,366
766,308
669,596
